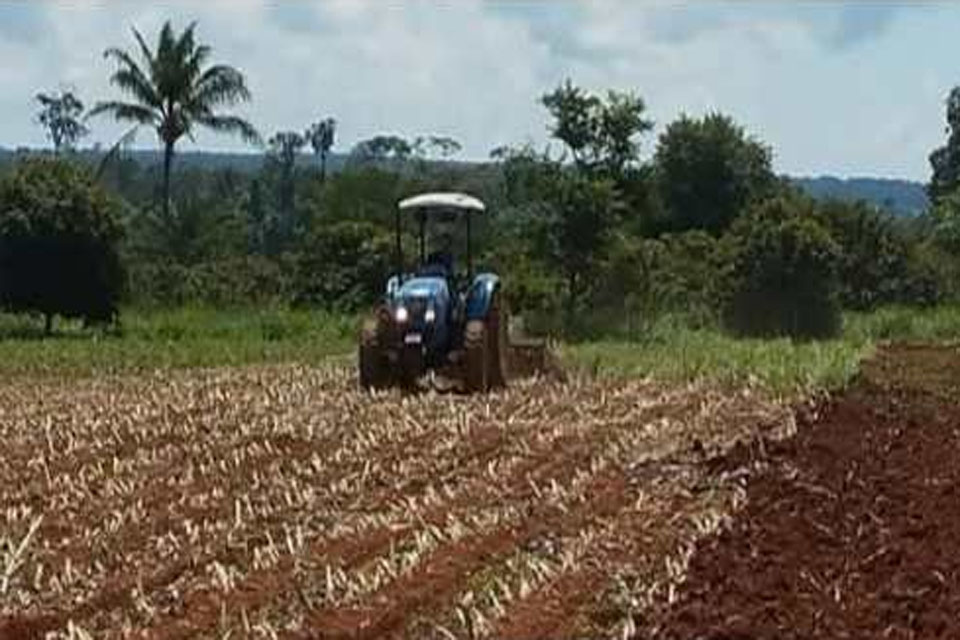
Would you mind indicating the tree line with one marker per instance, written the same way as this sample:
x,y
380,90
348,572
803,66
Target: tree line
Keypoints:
x,y
590,237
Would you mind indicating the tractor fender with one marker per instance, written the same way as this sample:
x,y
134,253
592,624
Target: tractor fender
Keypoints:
x,y
480,295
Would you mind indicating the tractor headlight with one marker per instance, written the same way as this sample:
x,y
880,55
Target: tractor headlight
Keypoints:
x,y
430,315
402,314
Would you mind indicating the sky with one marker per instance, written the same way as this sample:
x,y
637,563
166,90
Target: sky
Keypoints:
x,y
847,89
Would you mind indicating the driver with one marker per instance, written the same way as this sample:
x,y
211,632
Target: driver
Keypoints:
x,y
440,261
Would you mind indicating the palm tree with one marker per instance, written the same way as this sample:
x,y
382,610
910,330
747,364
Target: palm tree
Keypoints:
x,y
173,91
320,135
60,116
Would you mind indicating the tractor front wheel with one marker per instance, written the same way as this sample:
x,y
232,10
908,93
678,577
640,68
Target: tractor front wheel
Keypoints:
x,y
374,367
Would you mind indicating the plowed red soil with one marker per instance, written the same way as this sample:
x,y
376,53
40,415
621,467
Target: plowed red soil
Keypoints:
x,y
281,502
851,529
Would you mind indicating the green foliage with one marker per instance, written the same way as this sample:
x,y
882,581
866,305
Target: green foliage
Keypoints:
x,y
59,240
675,353
709,172
671,351
174,91
343,265
284,148
600,134
60,116
946,216
579,229
227,280
688,276
783,273
321,136
945,160
879,265
435,147
381,148
192,336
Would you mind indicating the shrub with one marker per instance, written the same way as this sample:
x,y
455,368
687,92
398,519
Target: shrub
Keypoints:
x,y
879,263
59,237
343,265
231,281
783,267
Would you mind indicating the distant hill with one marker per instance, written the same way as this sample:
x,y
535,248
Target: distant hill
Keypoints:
x,y
902,197
247,162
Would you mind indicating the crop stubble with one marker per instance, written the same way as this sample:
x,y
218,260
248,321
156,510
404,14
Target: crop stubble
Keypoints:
x,y
280,502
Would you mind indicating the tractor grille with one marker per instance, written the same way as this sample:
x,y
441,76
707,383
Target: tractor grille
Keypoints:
x,y
417,307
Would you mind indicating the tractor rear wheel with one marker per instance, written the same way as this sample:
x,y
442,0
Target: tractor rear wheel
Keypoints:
x,y
497,342
374,368
485,350
475,360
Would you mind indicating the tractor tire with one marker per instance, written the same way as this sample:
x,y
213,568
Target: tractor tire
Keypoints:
x,y
497,342
475,357
485,350
411,369
373,364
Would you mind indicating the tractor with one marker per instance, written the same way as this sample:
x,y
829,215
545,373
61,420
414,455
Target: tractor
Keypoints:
x,y
435,319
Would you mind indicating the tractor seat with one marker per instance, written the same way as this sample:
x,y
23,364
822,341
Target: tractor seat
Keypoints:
x,y
439,264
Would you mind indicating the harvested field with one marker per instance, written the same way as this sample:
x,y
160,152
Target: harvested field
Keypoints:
x,y
850,529
280,502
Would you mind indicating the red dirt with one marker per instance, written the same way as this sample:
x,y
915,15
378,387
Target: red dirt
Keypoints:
x,y
212,504
853,528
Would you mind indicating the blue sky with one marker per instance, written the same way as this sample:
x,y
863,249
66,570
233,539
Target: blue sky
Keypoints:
x,y
852,88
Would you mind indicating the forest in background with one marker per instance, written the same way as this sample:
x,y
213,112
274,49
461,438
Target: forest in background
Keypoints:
x,y
603,232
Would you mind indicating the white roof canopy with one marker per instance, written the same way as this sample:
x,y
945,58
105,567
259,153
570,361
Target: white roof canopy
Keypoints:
x,y
460,201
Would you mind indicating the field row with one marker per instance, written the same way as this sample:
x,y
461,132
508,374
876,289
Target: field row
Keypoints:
x,y
279,501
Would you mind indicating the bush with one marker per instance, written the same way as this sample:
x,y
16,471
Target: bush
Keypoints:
x,y
230,281
879,263
343,265
783,267
59,237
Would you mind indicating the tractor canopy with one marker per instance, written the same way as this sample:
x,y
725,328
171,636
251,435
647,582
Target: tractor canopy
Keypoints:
x,y
449,201
446,208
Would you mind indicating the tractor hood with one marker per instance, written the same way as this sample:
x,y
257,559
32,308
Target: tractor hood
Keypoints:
x,y
421,301
423,287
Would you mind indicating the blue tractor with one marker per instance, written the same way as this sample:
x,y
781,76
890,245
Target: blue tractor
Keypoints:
x,y
436,319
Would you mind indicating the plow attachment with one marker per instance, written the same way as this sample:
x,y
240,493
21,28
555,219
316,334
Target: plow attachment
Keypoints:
x,y
530,357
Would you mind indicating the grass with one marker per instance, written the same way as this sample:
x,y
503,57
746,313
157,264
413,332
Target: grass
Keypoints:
x,y
186,337
673,352
669,350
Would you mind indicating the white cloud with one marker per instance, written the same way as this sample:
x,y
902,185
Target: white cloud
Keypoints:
x,y
834,88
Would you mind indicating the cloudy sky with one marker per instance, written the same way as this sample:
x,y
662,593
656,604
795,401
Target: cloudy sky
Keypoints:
x,y
840,88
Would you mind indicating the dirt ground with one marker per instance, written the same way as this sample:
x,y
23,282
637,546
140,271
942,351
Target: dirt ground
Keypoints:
x,y
282,502
849,530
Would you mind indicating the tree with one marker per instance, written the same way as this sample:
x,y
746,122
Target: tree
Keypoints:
x,y
601,135
321,136
878,263
285,146
382,148
59,238
564,217
174,91
435,146
946,218
945,160
344,265
708,171
784,273
60,116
